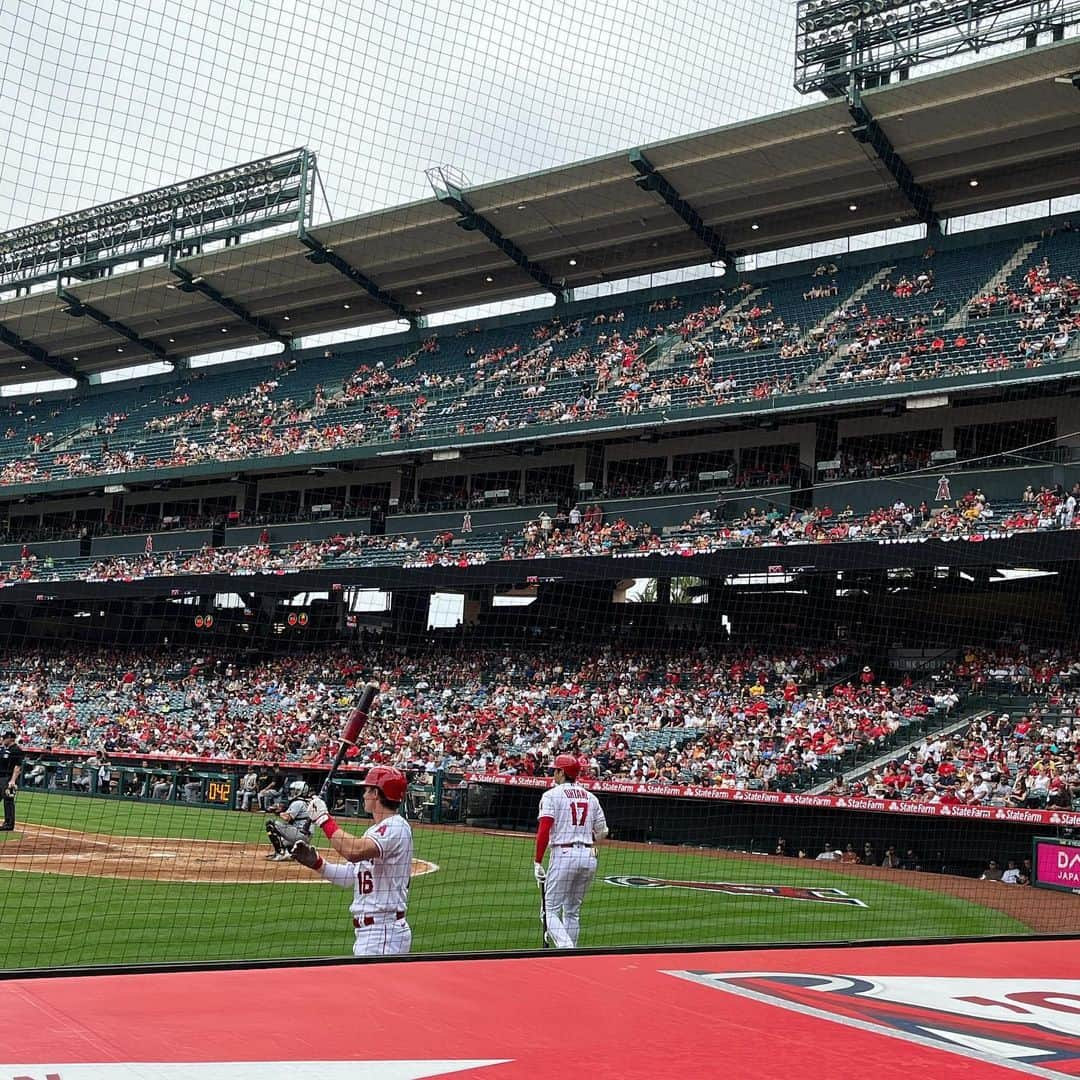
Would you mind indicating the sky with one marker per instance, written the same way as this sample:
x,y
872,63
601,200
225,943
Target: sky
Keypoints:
x,y
105,99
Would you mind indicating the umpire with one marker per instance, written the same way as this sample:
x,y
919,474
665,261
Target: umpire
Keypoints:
x,y
11,758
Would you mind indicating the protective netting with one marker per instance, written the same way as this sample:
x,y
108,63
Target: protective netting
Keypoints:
x,y
145,95
785,562
820,672
781,756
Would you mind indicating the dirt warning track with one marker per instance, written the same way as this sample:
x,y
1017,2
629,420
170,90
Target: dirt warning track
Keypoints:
x,y
40,849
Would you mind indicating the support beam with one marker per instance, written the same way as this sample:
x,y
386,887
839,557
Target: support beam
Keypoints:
x,y
650,179
189,284
34,352
868,132
77,309
320,255
471,221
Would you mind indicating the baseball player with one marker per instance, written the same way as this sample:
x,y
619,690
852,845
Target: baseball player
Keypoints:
x,y
378,868
572,822
11,759
295,814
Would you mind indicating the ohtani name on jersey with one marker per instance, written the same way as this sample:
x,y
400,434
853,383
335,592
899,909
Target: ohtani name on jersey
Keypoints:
x,y
574,792
780,892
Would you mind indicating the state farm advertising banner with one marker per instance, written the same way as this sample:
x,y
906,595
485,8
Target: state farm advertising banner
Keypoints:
x,y
1005,814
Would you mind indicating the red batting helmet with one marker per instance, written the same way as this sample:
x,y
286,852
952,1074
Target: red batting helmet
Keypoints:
x,y
391,782
569,765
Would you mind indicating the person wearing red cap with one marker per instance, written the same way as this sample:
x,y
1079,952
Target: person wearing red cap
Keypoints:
x,y
379,864
572,822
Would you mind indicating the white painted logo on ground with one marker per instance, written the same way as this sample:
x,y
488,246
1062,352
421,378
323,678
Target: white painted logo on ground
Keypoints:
x,y
1031,1025
244,1070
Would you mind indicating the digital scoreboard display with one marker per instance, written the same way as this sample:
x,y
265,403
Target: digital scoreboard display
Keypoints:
x,y
1057,864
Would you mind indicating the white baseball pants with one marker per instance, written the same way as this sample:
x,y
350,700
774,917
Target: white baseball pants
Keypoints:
x,y
383,939
569,875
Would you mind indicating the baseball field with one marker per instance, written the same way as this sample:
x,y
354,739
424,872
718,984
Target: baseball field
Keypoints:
x,y
89,881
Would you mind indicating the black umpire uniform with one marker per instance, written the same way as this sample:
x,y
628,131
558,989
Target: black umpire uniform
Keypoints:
x,y
11,758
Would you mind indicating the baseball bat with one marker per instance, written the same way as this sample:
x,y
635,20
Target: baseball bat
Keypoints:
x,y
543,912
357,720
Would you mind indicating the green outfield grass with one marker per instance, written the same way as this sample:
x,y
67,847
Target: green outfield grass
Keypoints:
x,y
482,897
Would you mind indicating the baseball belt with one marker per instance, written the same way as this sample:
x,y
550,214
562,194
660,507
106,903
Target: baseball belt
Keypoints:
x,y
371,920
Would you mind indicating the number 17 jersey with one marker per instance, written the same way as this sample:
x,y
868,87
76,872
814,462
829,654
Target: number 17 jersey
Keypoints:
x,y
575,812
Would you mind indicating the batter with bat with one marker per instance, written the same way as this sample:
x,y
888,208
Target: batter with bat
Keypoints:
x,y
572,821
379,863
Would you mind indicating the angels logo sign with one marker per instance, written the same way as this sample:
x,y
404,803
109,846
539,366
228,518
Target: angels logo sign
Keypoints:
x,y
1033,1026
780,892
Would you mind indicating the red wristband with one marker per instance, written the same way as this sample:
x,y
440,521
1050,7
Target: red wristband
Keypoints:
x,y
329,827
320,864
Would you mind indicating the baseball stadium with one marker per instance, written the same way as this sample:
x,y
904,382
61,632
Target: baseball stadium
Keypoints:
x,y
596,483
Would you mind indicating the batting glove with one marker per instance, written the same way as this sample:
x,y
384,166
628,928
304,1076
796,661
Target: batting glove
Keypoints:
x,y
317,810
10,791
539,873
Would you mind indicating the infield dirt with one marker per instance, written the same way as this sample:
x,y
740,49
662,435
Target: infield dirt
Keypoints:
x,y
45,850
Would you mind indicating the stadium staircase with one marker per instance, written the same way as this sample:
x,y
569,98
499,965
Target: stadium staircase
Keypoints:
x,y
819,329
673,350
1002,273
995,700
860,761
959,275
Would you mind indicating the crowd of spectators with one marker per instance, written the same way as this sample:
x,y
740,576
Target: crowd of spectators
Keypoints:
x,y
583,530
1043,313
737,717
1027,757
573,369
385,399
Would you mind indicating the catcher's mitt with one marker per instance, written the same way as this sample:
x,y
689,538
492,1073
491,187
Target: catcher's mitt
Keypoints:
x,y
305,854
284,836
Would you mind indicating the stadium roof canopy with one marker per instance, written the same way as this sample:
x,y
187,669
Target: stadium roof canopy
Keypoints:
x,y
795,175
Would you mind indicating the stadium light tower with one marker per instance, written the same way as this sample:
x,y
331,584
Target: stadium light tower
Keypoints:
x,y
161,224
851,45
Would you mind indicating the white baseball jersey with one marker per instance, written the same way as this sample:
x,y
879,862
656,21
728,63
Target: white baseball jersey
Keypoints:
x,y
380,886
577,815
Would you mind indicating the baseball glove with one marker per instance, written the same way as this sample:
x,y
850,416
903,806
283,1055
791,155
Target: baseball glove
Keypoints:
x,y
284,836
305,854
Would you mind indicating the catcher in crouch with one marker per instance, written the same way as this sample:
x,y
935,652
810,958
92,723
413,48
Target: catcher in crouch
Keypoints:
x,y
293,824
378,868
